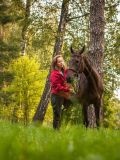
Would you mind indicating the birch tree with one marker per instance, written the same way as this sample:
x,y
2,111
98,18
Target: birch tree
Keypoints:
x,y
42,106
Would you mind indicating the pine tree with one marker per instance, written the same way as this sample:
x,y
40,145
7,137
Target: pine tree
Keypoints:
x,y
97,23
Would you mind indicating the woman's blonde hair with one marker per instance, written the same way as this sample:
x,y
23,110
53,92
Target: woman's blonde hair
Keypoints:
x,y
54,62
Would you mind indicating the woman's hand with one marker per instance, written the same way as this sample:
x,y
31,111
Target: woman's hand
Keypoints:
x,y
71,89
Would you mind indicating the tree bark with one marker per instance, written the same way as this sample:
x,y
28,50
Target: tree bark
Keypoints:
x,y
1,32
97,23
25,27
42,106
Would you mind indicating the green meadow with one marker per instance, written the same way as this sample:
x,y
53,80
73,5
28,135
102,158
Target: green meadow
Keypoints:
x,y
36,142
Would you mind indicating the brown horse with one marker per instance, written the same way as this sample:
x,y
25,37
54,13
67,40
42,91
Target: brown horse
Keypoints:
x,y
89,84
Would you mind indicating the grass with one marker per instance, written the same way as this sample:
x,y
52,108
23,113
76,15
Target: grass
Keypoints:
x,y
34,142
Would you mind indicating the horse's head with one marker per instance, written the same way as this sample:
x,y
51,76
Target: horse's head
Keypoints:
x,y
76,63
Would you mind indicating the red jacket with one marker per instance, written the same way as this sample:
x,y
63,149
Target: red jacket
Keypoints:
x,y
58,82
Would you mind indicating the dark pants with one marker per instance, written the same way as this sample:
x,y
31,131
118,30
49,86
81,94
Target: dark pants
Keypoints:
x,y
57,103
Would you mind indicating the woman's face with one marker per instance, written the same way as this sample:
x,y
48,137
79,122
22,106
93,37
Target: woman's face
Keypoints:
x,y
60,62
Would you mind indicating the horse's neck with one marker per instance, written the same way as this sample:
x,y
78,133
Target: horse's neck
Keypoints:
x,y
90,73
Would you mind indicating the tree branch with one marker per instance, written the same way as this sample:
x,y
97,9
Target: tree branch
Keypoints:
x,y
72,18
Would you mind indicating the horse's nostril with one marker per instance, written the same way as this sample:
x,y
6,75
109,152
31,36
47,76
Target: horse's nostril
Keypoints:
x,y
76,75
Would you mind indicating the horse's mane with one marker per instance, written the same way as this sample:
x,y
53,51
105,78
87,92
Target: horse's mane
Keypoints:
x,y
93,74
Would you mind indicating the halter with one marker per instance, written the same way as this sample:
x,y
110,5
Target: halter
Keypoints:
x,y
72,70
78,76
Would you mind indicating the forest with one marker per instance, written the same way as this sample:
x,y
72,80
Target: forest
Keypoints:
x,y
32,32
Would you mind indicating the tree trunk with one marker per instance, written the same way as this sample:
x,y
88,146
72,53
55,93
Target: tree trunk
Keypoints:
x,y
14,115
1,32
97,23
42,107
25,27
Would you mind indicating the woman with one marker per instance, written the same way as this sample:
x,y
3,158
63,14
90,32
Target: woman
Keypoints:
x,y
60,90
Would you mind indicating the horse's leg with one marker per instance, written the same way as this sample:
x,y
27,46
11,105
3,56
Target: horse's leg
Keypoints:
x,y
97,112
85,115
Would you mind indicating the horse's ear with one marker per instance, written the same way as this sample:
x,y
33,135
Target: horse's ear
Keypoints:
x,y
71,49
82,50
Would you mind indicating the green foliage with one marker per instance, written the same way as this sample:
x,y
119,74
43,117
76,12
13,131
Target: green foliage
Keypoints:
x,y
71,143
42,32
8,13
26,87
111,112
9,46
72,115
111,67
40,41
